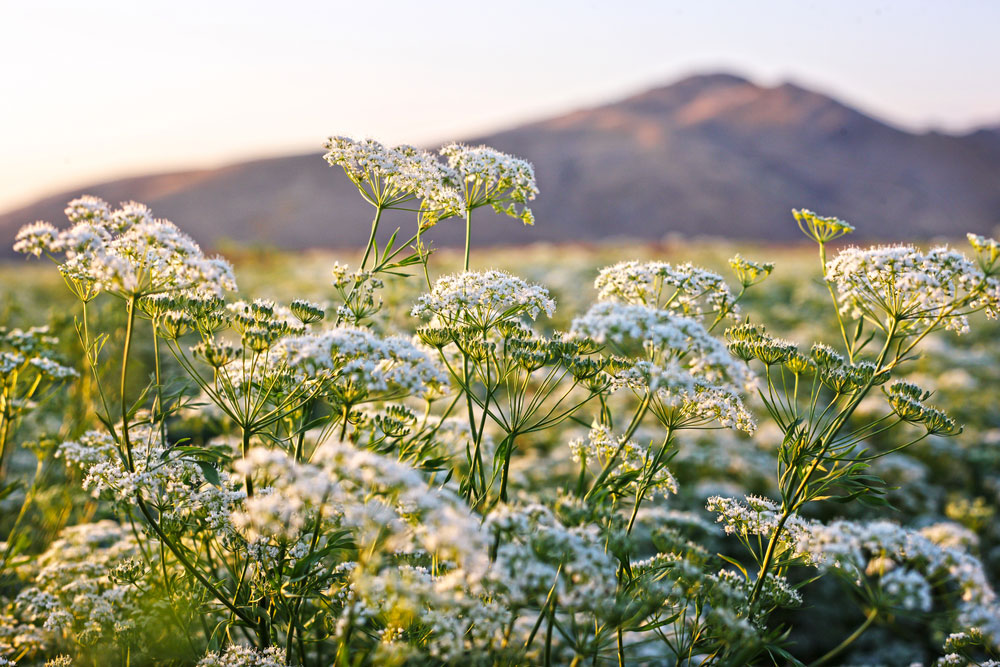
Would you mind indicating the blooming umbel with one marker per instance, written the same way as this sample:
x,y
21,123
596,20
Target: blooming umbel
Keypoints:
x,y
483,300
659,336
913,288
237,655
125,251
641,466
372,364
683,288
391,177
489,177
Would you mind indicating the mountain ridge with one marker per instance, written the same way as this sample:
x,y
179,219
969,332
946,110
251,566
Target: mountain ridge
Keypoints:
x,y
712,154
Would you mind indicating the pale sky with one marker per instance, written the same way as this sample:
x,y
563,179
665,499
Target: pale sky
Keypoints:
x,y
99,89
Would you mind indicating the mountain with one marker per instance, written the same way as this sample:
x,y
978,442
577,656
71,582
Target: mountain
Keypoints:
x,y
709,155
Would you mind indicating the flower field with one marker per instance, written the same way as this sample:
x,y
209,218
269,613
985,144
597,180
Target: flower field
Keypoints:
x,y
692,454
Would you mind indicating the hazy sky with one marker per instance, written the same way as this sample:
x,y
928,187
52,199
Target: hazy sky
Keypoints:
x,y
98,89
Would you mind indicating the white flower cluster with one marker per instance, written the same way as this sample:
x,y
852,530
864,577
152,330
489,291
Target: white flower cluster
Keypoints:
x,y
389,177
176,484
31,349
663,336
758,516
371,363
383,493
682,578
880,547
293,499
904,561
358,290
691,374
907,589
633,459
71,592
482,299
125,251
237,655
685,288
491,177
684,400
950,535
538,553
775,591
915,287
424,615
387,505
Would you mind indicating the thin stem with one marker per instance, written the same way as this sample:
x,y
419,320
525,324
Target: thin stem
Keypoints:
x,y
371,238
791,506
158,406
834,652
126,444
836,306
468,235
614,457
245,449
548,633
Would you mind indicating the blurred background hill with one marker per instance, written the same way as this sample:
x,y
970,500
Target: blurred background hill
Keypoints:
x,y
709,155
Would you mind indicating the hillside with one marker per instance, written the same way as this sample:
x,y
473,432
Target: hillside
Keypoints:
x,y
708,155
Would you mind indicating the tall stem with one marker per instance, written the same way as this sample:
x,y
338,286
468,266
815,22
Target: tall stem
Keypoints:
x,y
834,652
130,307
5,420
468,235
371,238
158,408
790,507
636,420
245,448
364,260
836,306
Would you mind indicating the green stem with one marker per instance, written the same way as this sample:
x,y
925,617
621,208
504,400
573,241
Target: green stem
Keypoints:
x,y
28,497
834,652
506,466
158,407
126,444
468,235
371,237
245,448
636,420
793,504
6,418
836,306
548,633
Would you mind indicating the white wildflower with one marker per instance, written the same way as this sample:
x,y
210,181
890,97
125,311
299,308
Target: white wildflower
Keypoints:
x,y
126,252
684,288
914,287
483,299
390,365
632,459
489,177
390,177
237,655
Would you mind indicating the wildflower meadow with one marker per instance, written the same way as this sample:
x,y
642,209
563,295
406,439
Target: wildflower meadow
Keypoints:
x,y
423,457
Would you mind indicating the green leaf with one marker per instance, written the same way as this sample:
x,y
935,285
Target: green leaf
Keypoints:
x,y
736,564
210,473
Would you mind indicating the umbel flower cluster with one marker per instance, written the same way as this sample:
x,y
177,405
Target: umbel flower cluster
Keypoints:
x,y
265,484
